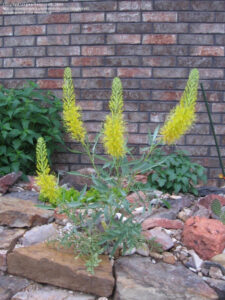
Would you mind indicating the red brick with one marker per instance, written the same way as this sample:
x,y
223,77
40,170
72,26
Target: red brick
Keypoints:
x,y
99,28
98,72
6,52
160,17
123,17
137,139
199,62
211,73
87,61
29,51
91,94
93,127
84,39
90,105
63,28
94,116
134,50
29,73
207,28
207,51
166,95
135,5
159,39
87,84
18,62
31,9
54,18
64,7
196,17
134,27
170,27
118,61
170,73
196,39
6,73
99,5
159,61
124,39
53,40
59,72
18,20
30,30
97,50
207,5
87,17
50,84
6,31
218,107
171,5
134,72
19,41
63,51
52,62
66,158
136,117
169,50
199,140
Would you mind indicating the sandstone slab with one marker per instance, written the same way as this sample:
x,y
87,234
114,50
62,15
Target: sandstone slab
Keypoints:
x,y
205,236
138,278
19,213
162,222
46,264
9,237
8,180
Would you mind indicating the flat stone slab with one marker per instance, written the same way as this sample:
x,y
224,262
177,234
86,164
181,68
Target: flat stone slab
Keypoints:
x,y
40,292
10,285
9,237
20,213
138,278
45,264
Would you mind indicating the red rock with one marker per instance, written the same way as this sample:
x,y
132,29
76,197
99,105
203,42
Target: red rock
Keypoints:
x,y
205,236
141,178
8,180
165,223
136,197
207,200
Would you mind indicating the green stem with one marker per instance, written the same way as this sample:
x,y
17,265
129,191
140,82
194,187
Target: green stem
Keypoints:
x,y
91,157
213,130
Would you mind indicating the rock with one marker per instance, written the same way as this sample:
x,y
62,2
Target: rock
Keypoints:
x,y
25,195
40,292
3,258
218,286
160,236
184,214
215,273
208,264
220,258
10,285
205,236
39,234
138,278
141,178
196,259
206,190
9,237
185,201
165,223
164,213
207,200
136,197
201,211
169,258
77,181
15,212
8,180
143,250
46,264
155,255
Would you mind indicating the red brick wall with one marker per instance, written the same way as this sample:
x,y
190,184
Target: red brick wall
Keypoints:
x,y
151,45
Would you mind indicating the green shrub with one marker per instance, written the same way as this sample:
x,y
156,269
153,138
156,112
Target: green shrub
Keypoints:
x,y
25,115
218,210
176,174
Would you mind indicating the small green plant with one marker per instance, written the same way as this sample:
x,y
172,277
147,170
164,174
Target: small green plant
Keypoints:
x,y
218,210
25,115
176,174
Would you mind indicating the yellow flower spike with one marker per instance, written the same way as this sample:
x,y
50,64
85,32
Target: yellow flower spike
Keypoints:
x,y
116,100
113,140
182,117
45,181
71,112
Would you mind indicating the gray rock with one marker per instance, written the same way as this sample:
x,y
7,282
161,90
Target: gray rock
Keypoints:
x,y
10,285
160,236
218,286
40,292
138,278
39,234
9,237
25,195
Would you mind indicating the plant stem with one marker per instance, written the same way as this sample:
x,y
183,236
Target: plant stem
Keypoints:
x,y
213,130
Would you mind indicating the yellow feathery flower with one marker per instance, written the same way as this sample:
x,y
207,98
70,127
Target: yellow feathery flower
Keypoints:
x,y
114,129
116,100
182,117
45,181
71,112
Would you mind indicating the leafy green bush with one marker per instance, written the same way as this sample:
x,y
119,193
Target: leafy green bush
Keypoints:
x,y
176,174
25,115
